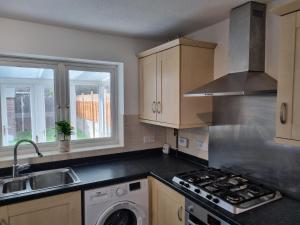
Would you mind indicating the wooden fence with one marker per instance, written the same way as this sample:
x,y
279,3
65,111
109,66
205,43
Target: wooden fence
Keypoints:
x,y
87,107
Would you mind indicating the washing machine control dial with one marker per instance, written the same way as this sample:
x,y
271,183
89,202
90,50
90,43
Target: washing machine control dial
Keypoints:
x,y
120,192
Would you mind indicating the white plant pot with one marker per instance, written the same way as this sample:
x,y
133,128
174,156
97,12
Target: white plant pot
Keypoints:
x,y
64,145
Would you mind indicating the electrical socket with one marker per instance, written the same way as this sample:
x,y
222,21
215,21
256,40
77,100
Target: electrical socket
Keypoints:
x,y
149,139
201,144
183,142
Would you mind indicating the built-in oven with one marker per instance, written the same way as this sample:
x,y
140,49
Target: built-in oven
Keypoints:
x,y
197,215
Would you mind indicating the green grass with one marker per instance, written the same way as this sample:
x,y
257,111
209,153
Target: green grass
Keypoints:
x,y
50,136
81,134
20,136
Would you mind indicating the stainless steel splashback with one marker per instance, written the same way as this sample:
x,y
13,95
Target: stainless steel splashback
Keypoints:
x,y
241,140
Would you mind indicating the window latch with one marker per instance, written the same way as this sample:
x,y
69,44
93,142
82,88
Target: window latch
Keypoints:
x,y
4,130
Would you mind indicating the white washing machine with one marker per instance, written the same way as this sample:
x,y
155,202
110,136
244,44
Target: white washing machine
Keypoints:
x,y
121,204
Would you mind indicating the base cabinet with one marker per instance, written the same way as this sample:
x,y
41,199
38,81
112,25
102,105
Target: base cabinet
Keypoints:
x,y
167,205
62,209
3,215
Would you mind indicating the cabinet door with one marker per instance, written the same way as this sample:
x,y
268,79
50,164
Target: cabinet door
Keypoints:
x,y
147,71
296,92
3,216
286,77
167,206
196,70
62,209
169,89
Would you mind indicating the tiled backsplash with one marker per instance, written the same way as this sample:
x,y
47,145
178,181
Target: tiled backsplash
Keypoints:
x,y
197,141
137,136
134,135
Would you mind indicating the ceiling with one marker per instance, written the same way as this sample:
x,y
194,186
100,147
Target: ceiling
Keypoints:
x,y
151,19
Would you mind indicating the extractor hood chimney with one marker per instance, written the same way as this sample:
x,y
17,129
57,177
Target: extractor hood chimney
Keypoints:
x,y
247,56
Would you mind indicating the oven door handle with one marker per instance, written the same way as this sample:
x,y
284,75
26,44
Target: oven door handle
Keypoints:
x,y
192,223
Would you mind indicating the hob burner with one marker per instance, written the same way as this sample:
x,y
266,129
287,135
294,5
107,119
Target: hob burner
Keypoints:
x,y
233,198
231,192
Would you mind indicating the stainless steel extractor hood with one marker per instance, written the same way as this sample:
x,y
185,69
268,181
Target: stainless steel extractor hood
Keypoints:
x,y
247,56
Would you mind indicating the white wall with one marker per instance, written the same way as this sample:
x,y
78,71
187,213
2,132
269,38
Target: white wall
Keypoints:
x,y
218,33
18,37
32,38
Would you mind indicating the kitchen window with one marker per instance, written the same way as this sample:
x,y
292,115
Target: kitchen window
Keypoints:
x,y
27,103
36,93
90,103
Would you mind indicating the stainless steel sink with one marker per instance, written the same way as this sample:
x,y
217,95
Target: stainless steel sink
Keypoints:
x,y
38,181
14,185
52,178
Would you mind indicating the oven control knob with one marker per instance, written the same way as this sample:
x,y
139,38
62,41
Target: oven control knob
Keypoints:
x,y
186,185
209,197
181,183
191,208
120,192
197,191
215,200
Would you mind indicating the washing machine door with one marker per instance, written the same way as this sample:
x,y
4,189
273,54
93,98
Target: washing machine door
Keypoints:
x,y
123,213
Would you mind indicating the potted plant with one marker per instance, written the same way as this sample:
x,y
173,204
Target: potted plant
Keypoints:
x,y
64,130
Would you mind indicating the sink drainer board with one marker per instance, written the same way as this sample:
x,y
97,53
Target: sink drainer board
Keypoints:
x,y
37,181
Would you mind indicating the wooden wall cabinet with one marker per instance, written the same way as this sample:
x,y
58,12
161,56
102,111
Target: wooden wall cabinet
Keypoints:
x,y
64,209
167,207
288,97
166,73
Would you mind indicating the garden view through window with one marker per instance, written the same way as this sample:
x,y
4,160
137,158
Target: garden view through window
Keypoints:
x,y
34,94
90,105
27,104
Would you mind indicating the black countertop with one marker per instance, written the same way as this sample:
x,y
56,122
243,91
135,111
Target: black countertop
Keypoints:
x,y
107,171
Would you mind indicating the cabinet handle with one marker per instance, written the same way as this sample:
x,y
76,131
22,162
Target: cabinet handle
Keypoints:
x,y
283,113
154,107
158,107
179,213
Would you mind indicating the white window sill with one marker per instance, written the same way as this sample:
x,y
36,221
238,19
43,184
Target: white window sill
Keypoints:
x,y
56,155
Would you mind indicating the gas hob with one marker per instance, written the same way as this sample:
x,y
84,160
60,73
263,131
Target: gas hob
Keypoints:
x,y
233,193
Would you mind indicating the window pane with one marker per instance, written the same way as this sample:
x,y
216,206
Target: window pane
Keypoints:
x,y
50,114
18,114
27,104
90,106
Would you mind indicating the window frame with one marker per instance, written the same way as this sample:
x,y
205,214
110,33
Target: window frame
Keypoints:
x,y
112,69
60,67
30,64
